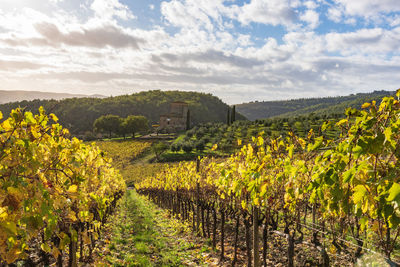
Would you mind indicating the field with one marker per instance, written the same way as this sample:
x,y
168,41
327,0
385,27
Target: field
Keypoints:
x,y
131,158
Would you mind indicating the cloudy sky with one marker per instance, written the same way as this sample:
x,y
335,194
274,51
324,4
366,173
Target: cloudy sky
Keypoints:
x,y
239,50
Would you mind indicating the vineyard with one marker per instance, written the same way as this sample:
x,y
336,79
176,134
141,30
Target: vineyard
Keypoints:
x,y
330,200
131,158
124,155
286,201
55,192
123,152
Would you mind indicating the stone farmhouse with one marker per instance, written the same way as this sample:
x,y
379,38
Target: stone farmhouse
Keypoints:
x,y
176,119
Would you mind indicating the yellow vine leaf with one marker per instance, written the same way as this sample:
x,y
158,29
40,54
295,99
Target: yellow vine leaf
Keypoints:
x,y
73,188
3,213
366,105
243,204
53,117
11,227
55,252
45,247
6,125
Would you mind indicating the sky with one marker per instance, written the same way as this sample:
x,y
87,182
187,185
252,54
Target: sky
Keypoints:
x,y
238,50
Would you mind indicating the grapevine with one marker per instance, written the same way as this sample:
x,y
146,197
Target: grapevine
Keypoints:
x,y
55,192
347,186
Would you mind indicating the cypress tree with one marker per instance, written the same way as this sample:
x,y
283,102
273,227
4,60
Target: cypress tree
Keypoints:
x,y
188,120
233,116
228,117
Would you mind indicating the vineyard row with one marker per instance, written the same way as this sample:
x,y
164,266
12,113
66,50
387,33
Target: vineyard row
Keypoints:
x,y
314,189
55,192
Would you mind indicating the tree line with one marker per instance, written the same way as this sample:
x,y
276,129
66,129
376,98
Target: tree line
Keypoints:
x,y
304,106
79,114
110,124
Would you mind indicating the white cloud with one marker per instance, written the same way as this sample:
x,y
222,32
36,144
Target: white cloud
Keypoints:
x,y
107,9
152,7
394,20
311,17
335,14
310,4
374,11
369,7
89,37
206,14
98,37
273,12
185,15
364,41
11,65
244,40
214,46
210,13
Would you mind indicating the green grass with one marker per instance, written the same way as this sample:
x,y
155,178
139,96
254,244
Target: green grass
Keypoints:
x,y
141,234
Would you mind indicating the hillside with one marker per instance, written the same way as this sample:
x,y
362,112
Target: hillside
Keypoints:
x,y
78,114
13,96
295,107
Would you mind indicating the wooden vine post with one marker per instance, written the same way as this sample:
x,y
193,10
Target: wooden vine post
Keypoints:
x,y
246,218
198,199
265,238
256,254
214,230
72,252
236,240
222,234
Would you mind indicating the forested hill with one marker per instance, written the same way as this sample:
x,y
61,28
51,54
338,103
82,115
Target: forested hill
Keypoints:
x,y
78,114
325,105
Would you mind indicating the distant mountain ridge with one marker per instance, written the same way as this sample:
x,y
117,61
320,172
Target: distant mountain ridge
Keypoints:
x,y
295,107
16,95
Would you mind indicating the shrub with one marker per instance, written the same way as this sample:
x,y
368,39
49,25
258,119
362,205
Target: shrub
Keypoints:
x,y
190,133
205,139
158,148
187,147
89,136
201,132
200,145
174,147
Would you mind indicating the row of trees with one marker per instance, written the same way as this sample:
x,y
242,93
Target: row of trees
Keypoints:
x,y
79,114
121,126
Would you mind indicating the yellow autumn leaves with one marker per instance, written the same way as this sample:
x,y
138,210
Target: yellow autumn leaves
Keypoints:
x,y
352,178
49,183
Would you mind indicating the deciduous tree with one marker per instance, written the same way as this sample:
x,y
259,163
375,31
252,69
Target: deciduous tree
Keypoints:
x,y
108,123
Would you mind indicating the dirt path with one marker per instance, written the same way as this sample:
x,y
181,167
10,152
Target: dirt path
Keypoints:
x,y
142,234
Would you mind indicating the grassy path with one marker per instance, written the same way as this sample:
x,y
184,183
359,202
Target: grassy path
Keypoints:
x,y
141,234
